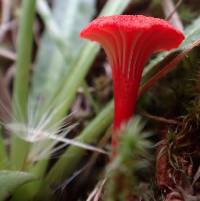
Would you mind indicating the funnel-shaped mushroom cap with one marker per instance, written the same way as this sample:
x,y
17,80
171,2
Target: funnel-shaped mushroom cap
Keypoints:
x,y
128,42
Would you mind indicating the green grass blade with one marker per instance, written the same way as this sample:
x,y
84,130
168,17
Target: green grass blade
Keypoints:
x,y
21,82
10,180
23,62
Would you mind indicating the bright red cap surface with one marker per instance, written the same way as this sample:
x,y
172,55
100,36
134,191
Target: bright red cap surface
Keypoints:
x,y
129,41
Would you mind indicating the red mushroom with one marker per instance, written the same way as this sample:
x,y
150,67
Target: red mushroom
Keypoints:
x,y
128,42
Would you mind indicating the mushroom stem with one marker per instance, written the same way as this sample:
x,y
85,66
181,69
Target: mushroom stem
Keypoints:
x,y
125,100
128,42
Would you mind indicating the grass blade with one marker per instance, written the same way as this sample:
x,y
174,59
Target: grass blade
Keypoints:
x,y
10,180
21,82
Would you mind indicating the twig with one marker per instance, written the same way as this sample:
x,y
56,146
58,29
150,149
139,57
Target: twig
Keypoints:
x,y
170,12
160,119
96,193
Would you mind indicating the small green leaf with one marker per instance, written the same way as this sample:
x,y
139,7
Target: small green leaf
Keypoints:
x,y
10,180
